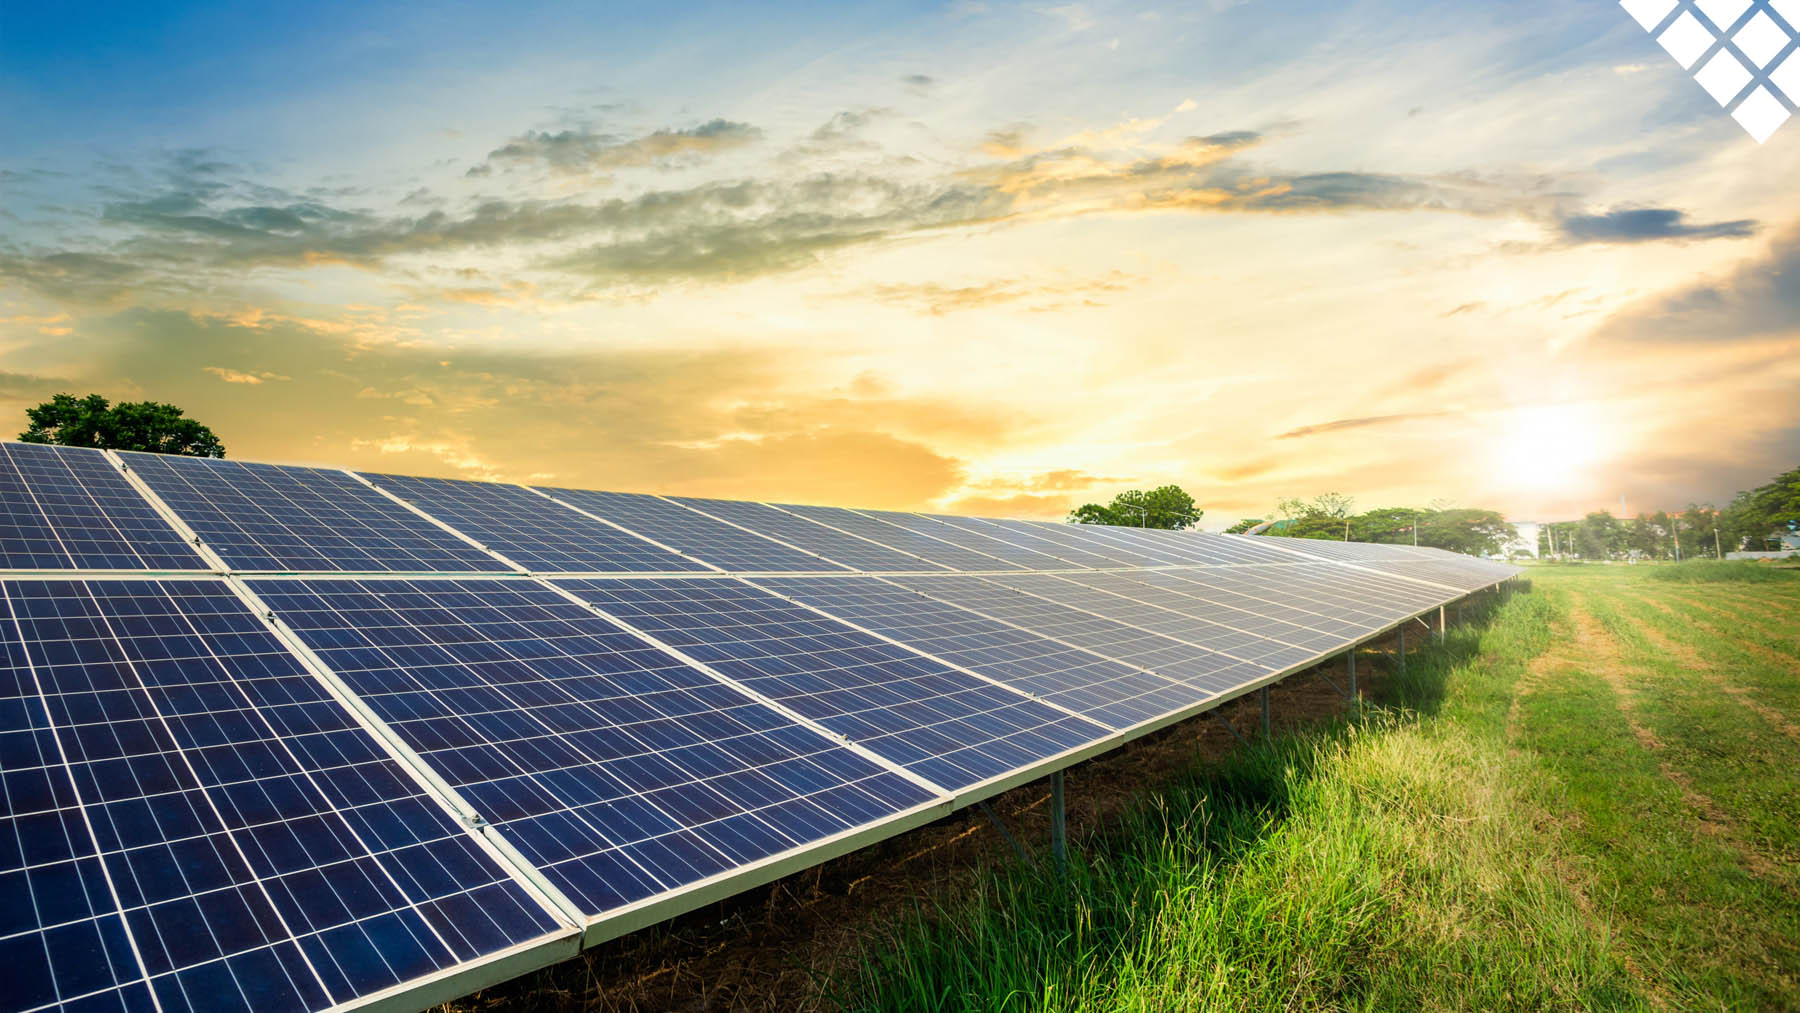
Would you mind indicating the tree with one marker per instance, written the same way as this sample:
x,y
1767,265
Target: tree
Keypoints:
x,y
1756,516
1244,525
92,421
1466,530
1165,507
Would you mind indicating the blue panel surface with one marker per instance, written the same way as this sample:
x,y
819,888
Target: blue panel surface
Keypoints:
x,y
190,816
1077,537
1464,573
618,771
1168,614
531,530
989,546
877,527
69,508
1108,691
274,517
856,553
948,726
1023,535
706,538
1207,670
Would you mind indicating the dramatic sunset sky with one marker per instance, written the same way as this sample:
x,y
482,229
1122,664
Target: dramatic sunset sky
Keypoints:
x,y
981,256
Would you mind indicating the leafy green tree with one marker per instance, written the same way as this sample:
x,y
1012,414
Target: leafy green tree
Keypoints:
x,y
1390,525
1466,530
92,421
1244,525
1599,536
1164,507
1757,516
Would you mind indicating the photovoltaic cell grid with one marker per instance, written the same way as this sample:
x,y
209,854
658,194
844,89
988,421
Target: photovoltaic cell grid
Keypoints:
x,y
276,517
190,817
1112,693
945,725
873,527
1464,574
1075,536
705,538
1199,667
531,530
69,508
1024,536
856,553
1011,554
619,772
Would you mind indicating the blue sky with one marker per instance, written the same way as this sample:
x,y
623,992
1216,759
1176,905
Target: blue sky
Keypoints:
x,y
982,256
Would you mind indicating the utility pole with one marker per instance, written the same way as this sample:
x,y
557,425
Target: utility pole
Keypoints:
x,y
1718,546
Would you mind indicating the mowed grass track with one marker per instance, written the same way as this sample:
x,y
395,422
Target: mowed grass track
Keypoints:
x,y
1588,798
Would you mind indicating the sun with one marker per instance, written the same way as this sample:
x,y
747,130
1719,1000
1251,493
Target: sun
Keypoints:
x,y
1549,446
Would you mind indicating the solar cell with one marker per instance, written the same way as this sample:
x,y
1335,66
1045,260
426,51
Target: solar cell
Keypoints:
x,y
1327,548
989,547
1169,657
621,773
1108,691
1162,613
530,529
276,517
1464,573
1022,534
1073,536
876,528
725,546
70,508
1232,548
945,725
193,822
856,553
1157,547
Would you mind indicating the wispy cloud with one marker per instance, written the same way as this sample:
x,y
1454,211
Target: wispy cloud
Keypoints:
x,y
1361,423
1643,225
583,150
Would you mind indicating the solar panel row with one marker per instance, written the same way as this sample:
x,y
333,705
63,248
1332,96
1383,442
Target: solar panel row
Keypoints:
x,y
406,768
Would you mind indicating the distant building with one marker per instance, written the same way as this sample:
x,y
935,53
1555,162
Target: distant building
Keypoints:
x,y
1526,543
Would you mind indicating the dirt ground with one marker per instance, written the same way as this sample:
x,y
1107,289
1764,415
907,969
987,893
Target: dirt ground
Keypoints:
x,y
773,947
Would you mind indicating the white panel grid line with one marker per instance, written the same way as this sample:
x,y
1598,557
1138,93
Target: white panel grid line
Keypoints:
x,y
408,504
1015,536
1201,593
1070,648
622,528
777,706
931,519
877,518
1197,593
852,534
520,769
763,534
927,655
433,785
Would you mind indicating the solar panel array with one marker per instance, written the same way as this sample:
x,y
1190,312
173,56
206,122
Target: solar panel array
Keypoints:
x,y
285,737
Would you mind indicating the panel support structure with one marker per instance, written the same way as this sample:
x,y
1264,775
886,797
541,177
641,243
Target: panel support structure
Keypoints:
x,y
1350,656
1059,833
1264,694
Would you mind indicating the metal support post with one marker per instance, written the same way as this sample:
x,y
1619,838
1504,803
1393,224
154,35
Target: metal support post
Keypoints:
x,y
1265,710
1230,728
1401,653
1351,655
1441,630
1059,835
1000,825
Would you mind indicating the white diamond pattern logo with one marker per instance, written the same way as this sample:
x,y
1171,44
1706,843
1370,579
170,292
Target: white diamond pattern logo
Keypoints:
x,y
1745,53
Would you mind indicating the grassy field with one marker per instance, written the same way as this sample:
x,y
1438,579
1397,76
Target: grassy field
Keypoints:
x,y
1589,798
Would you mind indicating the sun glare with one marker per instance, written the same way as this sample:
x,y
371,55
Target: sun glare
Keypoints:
x,y
1549,447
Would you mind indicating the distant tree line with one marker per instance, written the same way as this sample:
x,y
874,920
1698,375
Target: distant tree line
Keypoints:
x,y
1754,520
1331,515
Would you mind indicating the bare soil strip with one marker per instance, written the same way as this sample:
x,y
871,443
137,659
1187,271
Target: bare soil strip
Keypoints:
x,y
1594,642
1691,659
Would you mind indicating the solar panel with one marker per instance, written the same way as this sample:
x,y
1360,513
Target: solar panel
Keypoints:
x,y
1162,613
856,553
1157,547
69,508
1331,548
1022,534
1075,537
945,725
987,545
1199,667
877,528
531,530
1110,692
725,546
621,773
1237,611
1464,573
275,517
1333,597
193,822
1231,548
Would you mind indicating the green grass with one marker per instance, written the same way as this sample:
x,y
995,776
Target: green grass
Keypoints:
x,y
1561,808
1736,571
